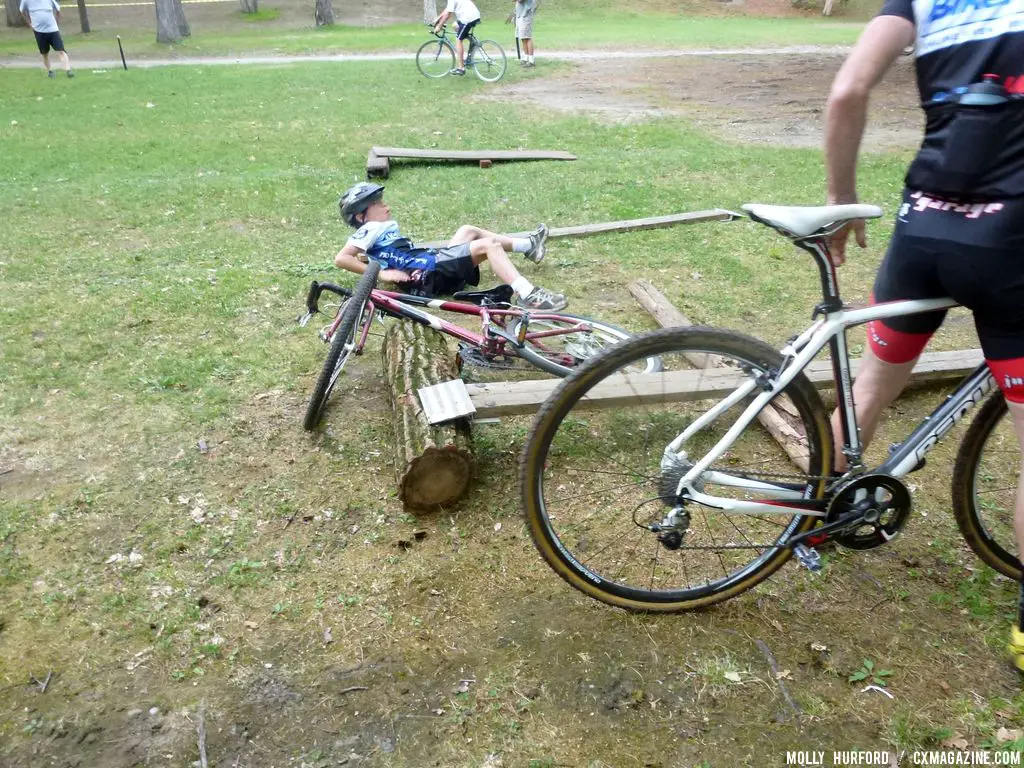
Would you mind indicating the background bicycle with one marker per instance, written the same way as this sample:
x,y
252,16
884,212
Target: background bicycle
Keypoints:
x,y
677,499
436,58
555,343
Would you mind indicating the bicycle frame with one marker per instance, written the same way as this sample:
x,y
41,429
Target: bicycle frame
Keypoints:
x,y
829,327
494,337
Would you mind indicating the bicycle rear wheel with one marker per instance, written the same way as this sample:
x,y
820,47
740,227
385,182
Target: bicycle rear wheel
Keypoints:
x,y
593,488
488,61
435,58
985,479
564,353
353,316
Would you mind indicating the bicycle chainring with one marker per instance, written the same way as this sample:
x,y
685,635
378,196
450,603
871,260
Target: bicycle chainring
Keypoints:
x,y
878,507
470,355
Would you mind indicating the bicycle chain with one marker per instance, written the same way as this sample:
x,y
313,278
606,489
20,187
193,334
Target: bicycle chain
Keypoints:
x,y
472,356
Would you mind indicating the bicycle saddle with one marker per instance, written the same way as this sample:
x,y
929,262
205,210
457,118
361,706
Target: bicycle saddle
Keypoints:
x,y
499,294
803,221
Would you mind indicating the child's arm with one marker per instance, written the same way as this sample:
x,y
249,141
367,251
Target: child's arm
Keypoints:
x,y
351,258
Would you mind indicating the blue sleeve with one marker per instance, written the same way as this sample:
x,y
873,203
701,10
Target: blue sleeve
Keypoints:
x,y
902,8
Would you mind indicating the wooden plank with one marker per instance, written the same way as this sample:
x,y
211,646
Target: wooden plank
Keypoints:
x,y
627,225
377,167
473,154
786,431
525,397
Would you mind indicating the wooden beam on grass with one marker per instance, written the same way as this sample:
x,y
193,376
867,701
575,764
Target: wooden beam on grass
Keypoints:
x,y
473,154
626,225
377,167
516,398
782,425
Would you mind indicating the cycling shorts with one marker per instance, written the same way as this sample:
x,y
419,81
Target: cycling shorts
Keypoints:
x,y
453,271
462,31
972,252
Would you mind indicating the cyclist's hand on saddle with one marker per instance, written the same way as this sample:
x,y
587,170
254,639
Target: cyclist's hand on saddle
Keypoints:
x,y
394,276
837,242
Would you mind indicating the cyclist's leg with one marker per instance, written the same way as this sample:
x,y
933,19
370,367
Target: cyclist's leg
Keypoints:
x,y
467,233
908,271
490,250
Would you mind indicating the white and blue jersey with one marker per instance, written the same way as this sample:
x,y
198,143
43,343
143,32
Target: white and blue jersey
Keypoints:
x,y
959,42
383,242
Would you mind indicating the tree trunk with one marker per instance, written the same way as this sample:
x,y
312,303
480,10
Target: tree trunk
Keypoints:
x,y
171,25
14,17
429,11
249,6
324,13
434,462
83,17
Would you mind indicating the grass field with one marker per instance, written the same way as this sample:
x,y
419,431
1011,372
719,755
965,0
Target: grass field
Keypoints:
x,y
176,551
282,28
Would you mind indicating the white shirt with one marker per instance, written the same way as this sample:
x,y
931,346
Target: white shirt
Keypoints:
x,y
465,10
40,13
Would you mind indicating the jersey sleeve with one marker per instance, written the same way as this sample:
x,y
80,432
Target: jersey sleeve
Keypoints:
x,y
365,236
902,8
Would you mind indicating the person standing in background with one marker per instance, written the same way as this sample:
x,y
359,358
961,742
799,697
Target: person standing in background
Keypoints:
x,y
523,15
42,16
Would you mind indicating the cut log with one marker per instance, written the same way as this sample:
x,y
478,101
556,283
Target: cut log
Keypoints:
x,y
434,463
377,167
784,427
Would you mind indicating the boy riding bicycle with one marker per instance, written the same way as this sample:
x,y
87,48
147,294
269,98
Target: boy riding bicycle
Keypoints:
x,y
430,271
467,16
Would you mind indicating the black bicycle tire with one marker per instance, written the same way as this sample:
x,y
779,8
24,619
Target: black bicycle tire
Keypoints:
x,y
431,44
504,61
539,361
964,496
532,465
351,313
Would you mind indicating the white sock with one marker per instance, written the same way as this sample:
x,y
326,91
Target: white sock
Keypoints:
x,y
529,58
521,245
522,287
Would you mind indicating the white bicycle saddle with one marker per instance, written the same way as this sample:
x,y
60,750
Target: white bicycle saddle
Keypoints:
x,y
801,221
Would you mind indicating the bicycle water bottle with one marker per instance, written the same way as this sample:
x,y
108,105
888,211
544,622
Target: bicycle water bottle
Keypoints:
x,y
987,93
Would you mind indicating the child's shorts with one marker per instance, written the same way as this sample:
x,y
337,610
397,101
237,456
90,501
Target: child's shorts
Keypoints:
x,y
454,271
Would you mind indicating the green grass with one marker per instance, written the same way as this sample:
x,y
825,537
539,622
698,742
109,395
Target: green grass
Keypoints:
x,y
162,226
608,27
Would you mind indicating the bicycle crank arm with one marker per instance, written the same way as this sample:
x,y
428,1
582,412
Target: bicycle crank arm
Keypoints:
x,y
822,533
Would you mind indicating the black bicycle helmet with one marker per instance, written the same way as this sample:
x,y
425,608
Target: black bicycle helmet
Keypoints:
x,y
357,199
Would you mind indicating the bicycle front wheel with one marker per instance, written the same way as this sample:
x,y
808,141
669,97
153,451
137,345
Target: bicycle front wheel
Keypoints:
x,y
561,354
489,61
596,492
985,479
353,316
435,58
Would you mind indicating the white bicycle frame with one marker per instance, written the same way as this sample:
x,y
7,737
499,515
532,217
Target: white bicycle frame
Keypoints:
x,y
829,327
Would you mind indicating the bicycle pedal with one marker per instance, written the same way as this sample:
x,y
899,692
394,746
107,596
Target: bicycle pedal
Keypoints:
x,y
808,558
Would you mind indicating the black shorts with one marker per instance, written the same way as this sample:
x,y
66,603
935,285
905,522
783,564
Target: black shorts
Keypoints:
x,y
972,252
454,270
462,31
48,40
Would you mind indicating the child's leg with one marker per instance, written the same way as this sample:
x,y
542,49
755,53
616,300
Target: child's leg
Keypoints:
x,y
65,60
460,53
46,61
467,233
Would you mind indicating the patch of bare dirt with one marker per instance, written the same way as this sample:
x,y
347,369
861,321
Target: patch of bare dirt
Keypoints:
x,y
771,99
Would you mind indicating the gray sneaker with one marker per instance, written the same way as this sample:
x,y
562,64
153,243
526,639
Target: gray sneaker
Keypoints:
x,y
538,238
543,300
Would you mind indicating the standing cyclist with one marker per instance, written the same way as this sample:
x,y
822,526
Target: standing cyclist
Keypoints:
x,y
960,230
467,16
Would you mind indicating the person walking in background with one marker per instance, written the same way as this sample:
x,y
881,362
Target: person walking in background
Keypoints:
x,y
523,15
42,16
467,16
